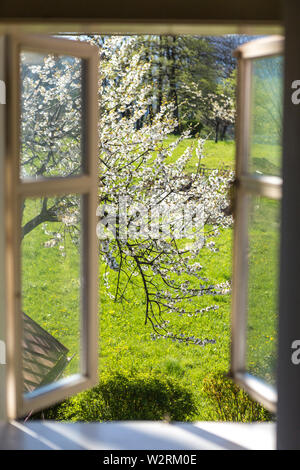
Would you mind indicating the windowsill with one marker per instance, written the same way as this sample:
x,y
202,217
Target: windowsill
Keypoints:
x,y
135,435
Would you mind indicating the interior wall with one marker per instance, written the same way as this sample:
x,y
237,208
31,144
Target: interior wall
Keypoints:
x,y
288,415
134,16
167,10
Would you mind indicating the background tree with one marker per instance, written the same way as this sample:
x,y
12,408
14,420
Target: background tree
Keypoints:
x,y
134,168
177,64
50,127
222,51
220,112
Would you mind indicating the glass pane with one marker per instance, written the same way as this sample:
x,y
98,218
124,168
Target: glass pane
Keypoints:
x,y
263,287
51,115
50,289
266,116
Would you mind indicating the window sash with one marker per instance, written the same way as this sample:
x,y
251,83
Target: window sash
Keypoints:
x,y
15,190
247,183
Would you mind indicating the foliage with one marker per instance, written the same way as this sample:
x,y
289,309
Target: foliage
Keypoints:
x,y
223,47
152,214
124,341
220,111
164,262
51,116
177,63
173,280
231,403
129,397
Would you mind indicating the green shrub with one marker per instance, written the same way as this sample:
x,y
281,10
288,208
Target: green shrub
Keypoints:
x,y
129,397
230,402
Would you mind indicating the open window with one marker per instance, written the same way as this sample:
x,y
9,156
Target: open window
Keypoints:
x,y
57,176
50,178
258,190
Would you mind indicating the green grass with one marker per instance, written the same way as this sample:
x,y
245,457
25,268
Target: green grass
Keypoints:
x,y
125,343
264,157
50,291
217,155
263,281
51,285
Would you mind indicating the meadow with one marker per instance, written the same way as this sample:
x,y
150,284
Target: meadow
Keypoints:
x,y
144,378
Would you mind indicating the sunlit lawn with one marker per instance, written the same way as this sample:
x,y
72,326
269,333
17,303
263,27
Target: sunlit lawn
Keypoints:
x,y
50,288
264,157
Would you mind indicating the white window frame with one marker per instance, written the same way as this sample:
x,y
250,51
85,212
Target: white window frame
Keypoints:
x,y
248,184
85,185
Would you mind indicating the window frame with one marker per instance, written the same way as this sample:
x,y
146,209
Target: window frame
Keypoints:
x,y
248,184
16,189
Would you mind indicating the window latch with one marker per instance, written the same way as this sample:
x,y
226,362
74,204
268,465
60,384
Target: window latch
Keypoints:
x,y
231,194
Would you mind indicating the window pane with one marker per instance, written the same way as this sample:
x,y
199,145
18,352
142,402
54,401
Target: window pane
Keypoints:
x,y
51,115
263,287
50,289
266,116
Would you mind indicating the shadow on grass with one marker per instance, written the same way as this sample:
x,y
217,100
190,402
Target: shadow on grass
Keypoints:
x,y
264,165
128,397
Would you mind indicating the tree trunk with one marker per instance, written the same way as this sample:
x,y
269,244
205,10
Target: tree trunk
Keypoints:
x,y
172,79
148,58
224,131
217,131
46,215
160,76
